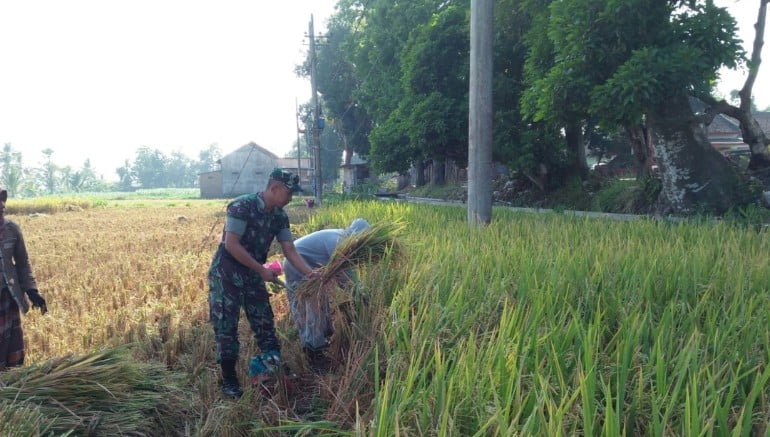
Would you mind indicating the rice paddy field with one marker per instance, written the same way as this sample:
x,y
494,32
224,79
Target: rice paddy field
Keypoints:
x,y
536,325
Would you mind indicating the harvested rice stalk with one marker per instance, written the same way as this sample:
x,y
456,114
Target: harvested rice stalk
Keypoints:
x,y
366,247
104,393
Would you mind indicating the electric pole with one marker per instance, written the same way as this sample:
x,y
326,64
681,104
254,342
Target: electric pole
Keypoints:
x,y
299,131
316,129
480,114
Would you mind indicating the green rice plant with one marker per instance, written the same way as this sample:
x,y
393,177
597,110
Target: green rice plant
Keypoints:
x,y
627,328
544,324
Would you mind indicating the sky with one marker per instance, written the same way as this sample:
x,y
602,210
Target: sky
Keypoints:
x,y
97,79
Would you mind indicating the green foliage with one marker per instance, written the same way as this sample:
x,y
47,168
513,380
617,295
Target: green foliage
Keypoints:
x,y
391,149
623,57
571,195
631,329
447,191
628,196
337,82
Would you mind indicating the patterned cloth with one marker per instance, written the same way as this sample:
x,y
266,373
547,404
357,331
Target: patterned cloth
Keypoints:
x,y
12,339
225,301
233,285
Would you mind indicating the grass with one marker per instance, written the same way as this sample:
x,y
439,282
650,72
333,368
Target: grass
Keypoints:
x,y
536,325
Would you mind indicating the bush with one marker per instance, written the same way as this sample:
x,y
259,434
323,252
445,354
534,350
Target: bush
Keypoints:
x,y
628,196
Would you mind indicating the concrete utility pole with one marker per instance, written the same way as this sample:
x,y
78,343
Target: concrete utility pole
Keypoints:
x,y
480,114
299,131
316,130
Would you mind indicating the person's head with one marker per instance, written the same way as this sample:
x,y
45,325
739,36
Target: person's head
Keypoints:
x,y
280,187
356,226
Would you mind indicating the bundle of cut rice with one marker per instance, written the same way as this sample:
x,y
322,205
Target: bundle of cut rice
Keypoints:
x,y
103,393
369,246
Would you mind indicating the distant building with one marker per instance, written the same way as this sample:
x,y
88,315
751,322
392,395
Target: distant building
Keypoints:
x,y
245,170
724,132
304,170
210,183
354,173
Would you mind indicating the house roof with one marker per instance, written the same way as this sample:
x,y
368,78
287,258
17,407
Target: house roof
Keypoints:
x,y
723,124
255,146
724,127
763,118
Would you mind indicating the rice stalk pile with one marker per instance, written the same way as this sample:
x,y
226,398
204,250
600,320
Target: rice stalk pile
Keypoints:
x,y
366,247
103,393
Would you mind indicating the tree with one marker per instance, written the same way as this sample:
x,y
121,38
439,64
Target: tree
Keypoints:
x,y
125,177
209,158
377,44
149,168
49,172
551,101
752,132
180,171
435,68
638,61
12,176
336,81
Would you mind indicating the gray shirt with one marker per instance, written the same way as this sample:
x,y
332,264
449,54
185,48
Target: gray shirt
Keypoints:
x,y
317,248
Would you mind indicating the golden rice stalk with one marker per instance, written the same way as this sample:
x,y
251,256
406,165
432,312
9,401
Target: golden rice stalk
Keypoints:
x,y
104,393
366,247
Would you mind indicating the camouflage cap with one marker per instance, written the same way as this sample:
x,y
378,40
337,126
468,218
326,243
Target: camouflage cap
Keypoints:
x,y
288,178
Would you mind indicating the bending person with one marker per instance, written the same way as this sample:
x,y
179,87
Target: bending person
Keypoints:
x,y
314,321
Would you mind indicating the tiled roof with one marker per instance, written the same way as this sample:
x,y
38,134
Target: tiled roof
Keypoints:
x,y
763,118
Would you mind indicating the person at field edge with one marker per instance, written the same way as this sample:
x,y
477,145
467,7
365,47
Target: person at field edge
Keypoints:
x,y
313,321
18,284
237,277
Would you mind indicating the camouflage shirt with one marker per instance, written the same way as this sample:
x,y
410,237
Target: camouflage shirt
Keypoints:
x,y
247,217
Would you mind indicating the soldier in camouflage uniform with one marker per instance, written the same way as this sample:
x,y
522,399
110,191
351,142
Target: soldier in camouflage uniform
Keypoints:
x,y
237,277
16,285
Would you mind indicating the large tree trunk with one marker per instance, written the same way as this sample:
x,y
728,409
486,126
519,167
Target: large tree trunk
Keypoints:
x,y
642,145
438,172
576,149
419,170
696,178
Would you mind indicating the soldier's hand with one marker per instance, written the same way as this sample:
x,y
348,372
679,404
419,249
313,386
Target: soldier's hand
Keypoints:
x,y
37,300
269,275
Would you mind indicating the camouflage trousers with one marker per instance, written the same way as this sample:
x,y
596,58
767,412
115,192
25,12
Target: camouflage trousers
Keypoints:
x,y
225,302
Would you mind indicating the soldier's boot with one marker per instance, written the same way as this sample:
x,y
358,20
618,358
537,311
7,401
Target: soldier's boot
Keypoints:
x,y
263,369
230,385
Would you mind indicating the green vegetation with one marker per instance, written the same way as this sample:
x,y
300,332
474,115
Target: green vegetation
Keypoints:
x,y
569,326
539,324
